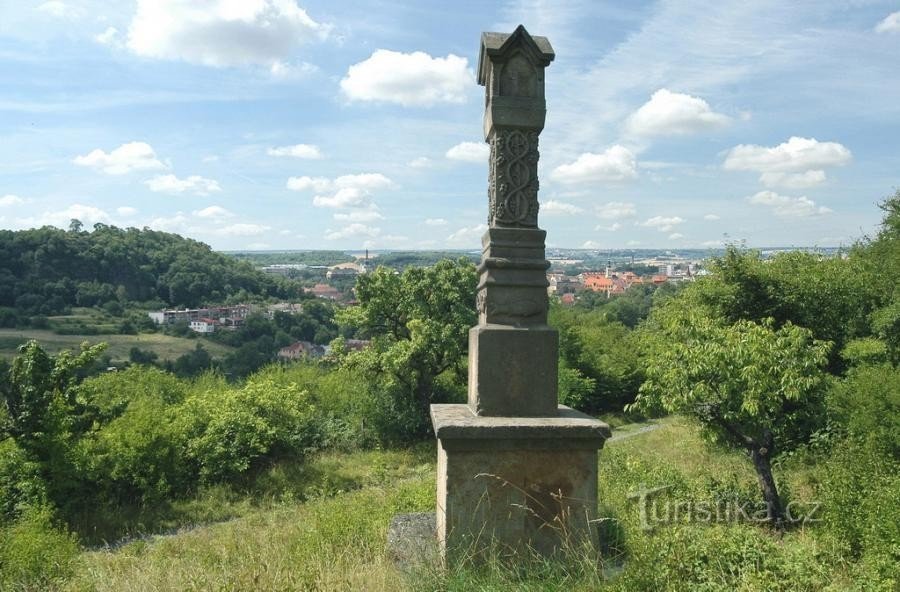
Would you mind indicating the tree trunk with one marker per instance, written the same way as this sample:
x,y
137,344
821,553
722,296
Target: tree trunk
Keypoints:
x,y
774,509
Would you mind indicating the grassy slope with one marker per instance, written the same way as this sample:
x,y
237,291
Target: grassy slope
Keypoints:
x,y
335,540
167,347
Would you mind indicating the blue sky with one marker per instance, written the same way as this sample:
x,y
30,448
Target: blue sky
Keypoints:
x,y
283,124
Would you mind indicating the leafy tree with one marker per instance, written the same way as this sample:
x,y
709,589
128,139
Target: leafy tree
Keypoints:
x,y
43,413
40,391
193,363
45,270
830,296
750,385
418,322
142,356
601,350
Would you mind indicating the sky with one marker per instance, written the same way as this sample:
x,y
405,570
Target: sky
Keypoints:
x,y
313,124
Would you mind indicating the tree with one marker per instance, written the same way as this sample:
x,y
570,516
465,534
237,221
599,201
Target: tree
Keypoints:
x,y
418,322
750,385
43,413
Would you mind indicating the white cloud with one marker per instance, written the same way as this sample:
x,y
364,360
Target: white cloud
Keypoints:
x,y
435,222
793,180
469,152
615,164
632,243
126,211
351,231
177,223
59,9
554,207
221,33
369,215
346,197
242,229
10,200
467,236
214,213
421,162
368,181
347,191
676,236
286,71
133,156
890,24
307,151
109,37
591,245
193,184
409,79
668,113
616,210
795,163
611,228
662,223
712,244
788,207
711,217
258,246
306,183
87,215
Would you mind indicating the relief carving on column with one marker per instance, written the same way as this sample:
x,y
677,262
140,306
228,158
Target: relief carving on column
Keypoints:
x,y
513,186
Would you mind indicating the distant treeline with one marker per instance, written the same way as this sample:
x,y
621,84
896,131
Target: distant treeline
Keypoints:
x,y
293,257
45,271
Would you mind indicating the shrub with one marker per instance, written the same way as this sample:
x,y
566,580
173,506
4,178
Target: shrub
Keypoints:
x,y
35,554
139,454
228,430
21,485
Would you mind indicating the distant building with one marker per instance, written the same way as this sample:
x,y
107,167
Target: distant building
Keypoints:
x,y
283,268
609,282
345,270
285,307
324,291
563,284
567,299
301,349
356,344
203,326
225,315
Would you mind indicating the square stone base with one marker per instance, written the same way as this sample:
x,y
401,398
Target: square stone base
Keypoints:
x,y
513,370
508,485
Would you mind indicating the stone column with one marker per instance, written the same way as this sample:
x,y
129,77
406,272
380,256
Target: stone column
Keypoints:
x,y
516,471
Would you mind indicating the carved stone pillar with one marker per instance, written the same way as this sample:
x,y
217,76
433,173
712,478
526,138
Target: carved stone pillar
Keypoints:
x,y
516,470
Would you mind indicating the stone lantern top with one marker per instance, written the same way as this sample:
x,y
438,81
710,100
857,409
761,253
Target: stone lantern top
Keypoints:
x,y
511,68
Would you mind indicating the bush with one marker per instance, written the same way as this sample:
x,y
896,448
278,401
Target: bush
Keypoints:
x,y
859,484
721,558
21,485
228,431
35,554
136,455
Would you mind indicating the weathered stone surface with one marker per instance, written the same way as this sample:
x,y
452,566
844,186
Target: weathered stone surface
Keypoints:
x,y
456,425
412,540
515,470
513,370
509,484
512,285
514,500
511,68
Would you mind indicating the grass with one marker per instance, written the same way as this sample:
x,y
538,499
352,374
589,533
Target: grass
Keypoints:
x,y
323,527
166,346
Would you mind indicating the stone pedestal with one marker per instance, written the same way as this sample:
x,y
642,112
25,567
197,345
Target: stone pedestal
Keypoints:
x,y
516,472
509,485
